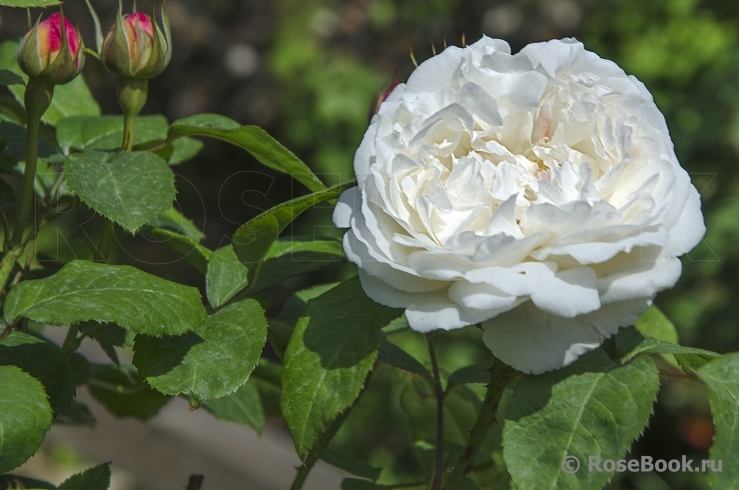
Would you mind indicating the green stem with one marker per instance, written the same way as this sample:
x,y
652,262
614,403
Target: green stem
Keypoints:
x,y
132,95
500,377
7,265
439,392
106,240
128,125
677,375
6,331
30,250
37,99
116,388
71,341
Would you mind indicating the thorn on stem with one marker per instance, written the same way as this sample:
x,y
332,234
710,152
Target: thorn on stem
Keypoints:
x,y
413,57
433,48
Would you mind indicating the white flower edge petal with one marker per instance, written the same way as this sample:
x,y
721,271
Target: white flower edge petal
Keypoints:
x,y
348,201
533,341
426,312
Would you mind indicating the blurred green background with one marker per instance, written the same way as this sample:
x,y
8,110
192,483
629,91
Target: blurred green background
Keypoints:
x,y
307,70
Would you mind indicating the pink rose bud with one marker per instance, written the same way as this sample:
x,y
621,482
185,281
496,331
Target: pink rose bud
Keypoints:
x,y
382,97
50,53
136,47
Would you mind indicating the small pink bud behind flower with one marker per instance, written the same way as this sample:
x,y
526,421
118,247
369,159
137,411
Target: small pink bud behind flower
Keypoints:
x,y
382,96
50,53
136,47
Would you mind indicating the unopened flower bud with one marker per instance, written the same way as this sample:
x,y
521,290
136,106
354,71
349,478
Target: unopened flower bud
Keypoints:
x,y
52,54
137,47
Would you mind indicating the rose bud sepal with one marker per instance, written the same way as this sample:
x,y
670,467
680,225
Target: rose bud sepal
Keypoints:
x,y
161,50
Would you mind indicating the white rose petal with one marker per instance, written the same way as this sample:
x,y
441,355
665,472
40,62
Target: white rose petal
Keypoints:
x,y
536,193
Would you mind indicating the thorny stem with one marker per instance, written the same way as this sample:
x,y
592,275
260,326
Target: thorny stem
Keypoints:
x,y
439,392
500,377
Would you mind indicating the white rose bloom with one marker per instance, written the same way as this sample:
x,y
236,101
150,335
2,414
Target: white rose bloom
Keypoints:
x,y
537,193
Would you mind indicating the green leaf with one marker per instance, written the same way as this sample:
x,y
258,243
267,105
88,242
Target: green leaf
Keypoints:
x,y
476,373
630,343
286,258
343,461
593,408
123,392
721,377
29,3
296,304
7,77
395,356
243,407
180,150
226,276
83,291
72,99
95,478
173,220
15,142
44,362
253,139
212,364
655,324
25,416
83,133
80,368
12,482
193,253
356,484
76,415
425,453
253,240
330,354
130,188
